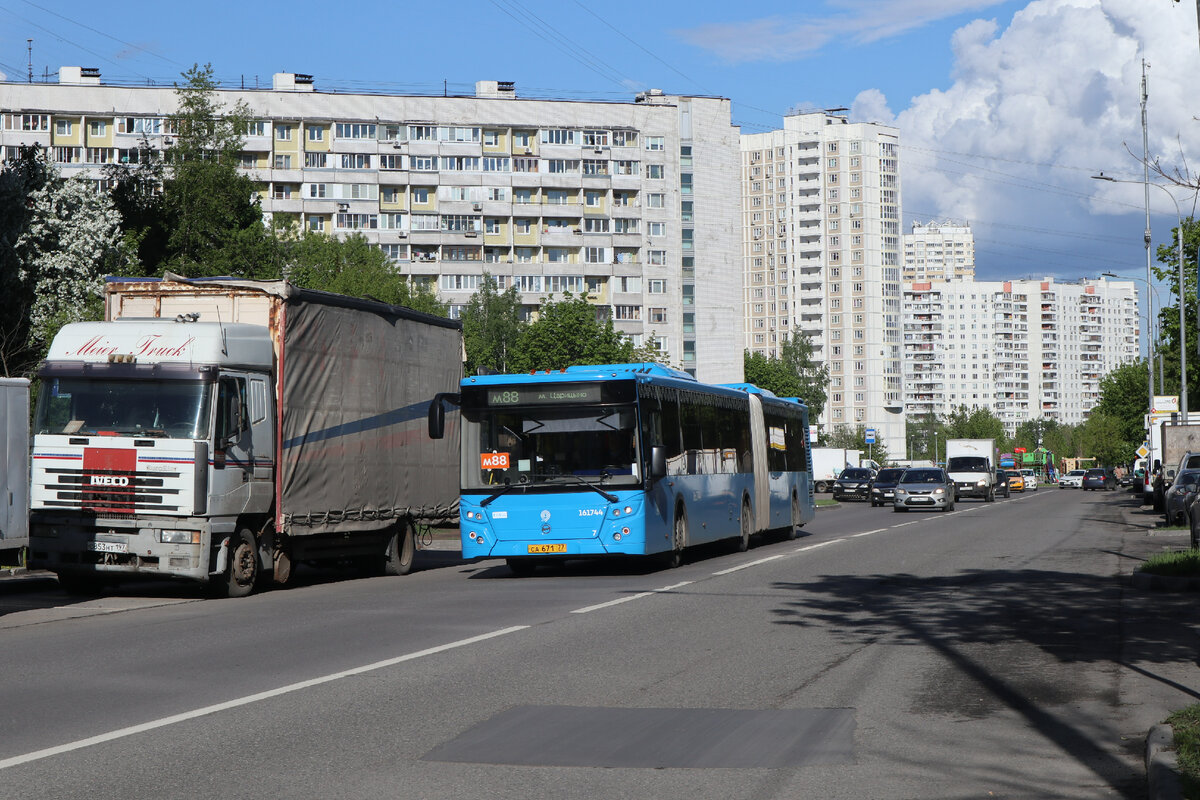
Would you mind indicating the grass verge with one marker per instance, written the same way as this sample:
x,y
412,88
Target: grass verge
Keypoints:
x,y
1176,562
1186,723
826,503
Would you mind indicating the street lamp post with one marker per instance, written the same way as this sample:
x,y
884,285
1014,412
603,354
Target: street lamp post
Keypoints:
x,y
1183,398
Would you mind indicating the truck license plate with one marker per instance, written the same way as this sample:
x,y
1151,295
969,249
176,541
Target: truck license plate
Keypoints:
x,y
547,548
108,547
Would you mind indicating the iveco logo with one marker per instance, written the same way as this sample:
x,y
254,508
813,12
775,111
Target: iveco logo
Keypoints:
x,y
109,480
591,512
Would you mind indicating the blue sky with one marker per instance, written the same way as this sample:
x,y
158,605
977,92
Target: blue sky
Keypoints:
x,y
1005,109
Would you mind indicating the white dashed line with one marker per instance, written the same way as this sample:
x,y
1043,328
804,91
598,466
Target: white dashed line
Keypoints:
x,y
621,600
174,719
749,564
868,533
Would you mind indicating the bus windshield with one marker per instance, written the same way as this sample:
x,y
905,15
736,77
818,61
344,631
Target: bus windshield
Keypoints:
x,y
550,446
175,409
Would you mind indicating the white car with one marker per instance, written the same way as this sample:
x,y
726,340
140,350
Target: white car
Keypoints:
x,y
1031,479
1072,480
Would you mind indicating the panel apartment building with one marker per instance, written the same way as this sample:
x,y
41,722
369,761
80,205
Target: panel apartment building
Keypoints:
x,y
821,255
634,202
1025,349
936,251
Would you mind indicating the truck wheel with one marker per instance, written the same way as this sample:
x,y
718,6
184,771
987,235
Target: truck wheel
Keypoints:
x,y
822,487
401,549
242,571
744,541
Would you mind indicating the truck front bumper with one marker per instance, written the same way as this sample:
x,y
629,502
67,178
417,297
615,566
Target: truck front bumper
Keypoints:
x,y
68,543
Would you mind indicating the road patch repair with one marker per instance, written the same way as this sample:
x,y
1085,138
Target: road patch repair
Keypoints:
x,y
656,738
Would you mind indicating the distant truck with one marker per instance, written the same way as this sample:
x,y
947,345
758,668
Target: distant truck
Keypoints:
x,y
223,430
971,464
14,470
1178,440
828,463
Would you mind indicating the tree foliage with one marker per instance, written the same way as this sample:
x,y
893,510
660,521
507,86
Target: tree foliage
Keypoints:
x,y
567,332
856,439
492,327
210,208
352,267
793,373
974,423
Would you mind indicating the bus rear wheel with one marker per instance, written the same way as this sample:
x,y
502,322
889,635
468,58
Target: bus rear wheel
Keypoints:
x,y
794,530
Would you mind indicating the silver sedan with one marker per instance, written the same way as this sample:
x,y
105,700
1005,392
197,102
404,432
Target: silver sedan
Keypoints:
x,y
924,487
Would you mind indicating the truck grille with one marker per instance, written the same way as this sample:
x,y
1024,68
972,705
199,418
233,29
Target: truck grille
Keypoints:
x,y
108,483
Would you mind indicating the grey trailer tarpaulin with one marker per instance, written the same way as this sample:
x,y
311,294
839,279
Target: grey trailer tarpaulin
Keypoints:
x,y
357,378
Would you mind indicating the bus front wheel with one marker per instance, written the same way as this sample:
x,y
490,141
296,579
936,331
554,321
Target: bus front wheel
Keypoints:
x,y
673,558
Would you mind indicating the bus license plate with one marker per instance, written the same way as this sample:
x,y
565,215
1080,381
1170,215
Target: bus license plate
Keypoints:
x,y
108,547
546,548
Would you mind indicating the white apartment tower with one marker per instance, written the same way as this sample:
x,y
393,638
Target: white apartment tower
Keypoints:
x,y
821,255
939,251
1024,349
634,202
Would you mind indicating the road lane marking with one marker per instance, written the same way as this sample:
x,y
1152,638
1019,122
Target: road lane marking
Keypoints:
x,y
868,533
902,524
749,564
175,719
818,544
638,596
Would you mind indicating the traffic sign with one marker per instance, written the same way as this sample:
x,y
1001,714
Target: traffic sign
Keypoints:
x,y
870,436
1143,451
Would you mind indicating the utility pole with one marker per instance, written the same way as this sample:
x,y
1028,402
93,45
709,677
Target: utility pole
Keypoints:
x,y
1149,292
29,50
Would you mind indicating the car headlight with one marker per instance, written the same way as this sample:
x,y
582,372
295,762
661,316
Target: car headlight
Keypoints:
x,y
939,491
982,482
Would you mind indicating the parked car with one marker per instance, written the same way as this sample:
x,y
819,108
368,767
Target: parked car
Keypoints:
x,y
853,484
924,487
1179,497
1072,480
1031,479
1194,514
1016,482
1100,479
883,487
1002,489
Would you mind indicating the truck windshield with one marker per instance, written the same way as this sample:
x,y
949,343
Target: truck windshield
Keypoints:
x,y
967,464
173,409
548,446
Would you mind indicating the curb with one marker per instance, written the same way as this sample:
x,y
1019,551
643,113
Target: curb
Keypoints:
x,y
1162,767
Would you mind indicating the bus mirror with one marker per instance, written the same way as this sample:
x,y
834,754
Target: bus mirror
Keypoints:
x,y
658,462
437,412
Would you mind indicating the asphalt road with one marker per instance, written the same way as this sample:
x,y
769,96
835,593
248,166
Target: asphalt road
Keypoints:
x,y
992,651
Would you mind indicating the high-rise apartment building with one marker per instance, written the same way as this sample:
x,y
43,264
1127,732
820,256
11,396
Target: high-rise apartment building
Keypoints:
x,y
821,255
1024,349
939,251
635,203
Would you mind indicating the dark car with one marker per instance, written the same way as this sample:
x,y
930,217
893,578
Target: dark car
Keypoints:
x,y
1099,479
1179,497
1002,484
924,487
883,488
1194,513
853,484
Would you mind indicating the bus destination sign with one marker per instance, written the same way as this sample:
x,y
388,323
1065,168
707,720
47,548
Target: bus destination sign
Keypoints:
x,y
543,395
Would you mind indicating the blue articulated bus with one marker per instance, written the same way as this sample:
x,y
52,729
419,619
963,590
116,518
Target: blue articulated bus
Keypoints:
x,y
624,459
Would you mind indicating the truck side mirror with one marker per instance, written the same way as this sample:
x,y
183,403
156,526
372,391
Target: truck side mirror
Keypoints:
x,y
658,462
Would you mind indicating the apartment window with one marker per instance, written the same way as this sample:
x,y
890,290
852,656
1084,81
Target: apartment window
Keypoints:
x,y
654,171
596,225
314,133
283,161
358,221
595,138
594,167
656,228
593,199
62,127
316,160
559,136
624,138
316,190
391,162
460,163
283,131
525,165
559,166
595,255
528,283
459,283
625,168
27,122
420,195
355,161
497,164
654,200
627,284
656,258
97,127
628,313
355,130
457,134
491,138
655,143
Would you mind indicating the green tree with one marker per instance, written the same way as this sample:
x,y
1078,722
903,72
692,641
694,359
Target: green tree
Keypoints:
x,y
136,192
974,423
1102,439
1168,274
353,267
566,332
925,433
20,179
856,439
793,373
1124,396
211,209
492,327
